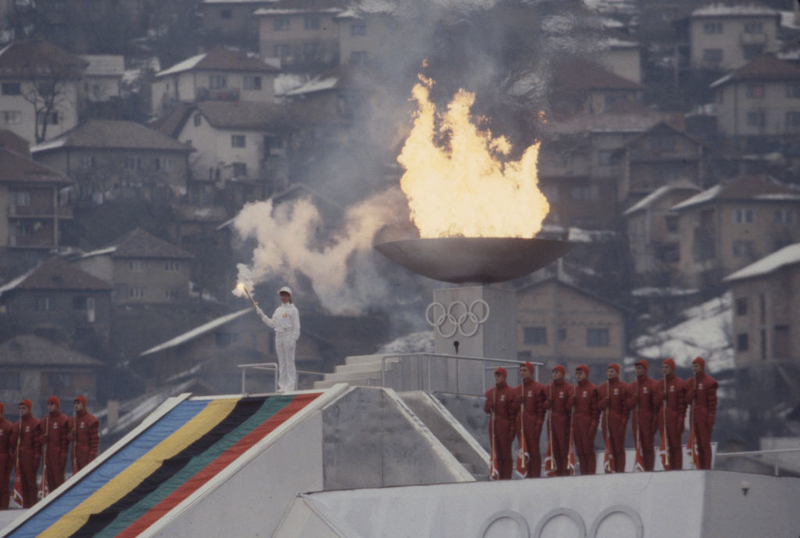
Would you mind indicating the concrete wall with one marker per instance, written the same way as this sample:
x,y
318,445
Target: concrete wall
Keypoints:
x,y
733,106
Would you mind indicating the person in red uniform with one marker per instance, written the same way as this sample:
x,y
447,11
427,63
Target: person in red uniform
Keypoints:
x,y
670,402
558,394
701,394
6,457
584,425
641,402
499,399
27,451
55,443
529,402
611,398
83,432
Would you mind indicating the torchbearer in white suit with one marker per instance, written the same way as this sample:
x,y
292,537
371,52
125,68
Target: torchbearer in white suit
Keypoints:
x,y
286,322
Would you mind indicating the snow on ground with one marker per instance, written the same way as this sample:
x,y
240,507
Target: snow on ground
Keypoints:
x,y
705,332
287,82
420,342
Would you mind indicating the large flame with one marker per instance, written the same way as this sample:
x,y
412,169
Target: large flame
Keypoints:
x,y
463,188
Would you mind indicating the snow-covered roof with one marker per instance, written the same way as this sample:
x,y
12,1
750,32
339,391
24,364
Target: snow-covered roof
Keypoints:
x,y
14,282
743,188
53,144
289,11
702,333
197,331
784,257
705,196
104,65
98,252
316,85
735,9
187,64
648,200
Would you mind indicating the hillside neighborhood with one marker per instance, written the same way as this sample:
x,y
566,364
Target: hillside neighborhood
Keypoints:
x,y
670,154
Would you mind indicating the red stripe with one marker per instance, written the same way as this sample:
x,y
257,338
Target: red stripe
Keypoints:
x,y
216,466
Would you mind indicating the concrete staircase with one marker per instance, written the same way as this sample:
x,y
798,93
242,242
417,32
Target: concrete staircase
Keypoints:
x,y
360,370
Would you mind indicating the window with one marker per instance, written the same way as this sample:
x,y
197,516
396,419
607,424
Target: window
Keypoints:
x,y
79,302
11,117
9,381
282,51
238,141
562,334
581,193
742,343
239,170
756,119
793,121
712,56
198,120
596,337
162,163
44,304
136,265
20,198
225,14
88,161
281,24
741,306
712,28
217,82
793,91
132,163
358,29
753,90
606,158
252,83
311,22
663,143
136,293
743,216
358,57
535,336
671,223
171,266
743,249
753,28
11,88
784,216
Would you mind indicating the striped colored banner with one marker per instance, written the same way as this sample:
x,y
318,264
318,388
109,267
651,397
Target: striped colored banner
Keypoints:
x,y
164,465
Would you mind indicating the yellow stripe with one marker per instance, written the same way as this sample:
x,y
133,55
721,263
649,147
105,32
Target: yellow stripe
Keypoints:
x,y
143,467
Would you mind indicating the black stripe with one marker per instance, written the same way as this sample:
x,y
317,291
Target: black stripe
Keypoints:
x,y
243,410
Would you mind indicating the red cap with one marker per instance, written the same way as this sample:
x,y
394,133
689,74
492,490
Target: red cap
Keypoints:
x,y
701,362
27,403
54,400
501,371
2,408
81,399
643,364
560,369
670,363
584,368
528,365
615,366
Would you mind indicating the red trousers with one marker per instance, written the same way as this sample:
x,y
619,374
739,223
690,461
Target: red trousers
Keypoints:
x,y
532,435
560,442
4,478
27,471
584,432
504,439
674,446
616,427
703,433
646,426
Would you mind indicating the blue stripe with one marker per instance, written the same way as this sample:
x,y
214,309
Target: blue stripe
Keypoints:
x,y
141,445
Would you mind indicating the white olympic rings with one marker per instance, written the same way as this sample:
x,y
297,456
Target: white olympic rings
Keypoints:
x,y
459,324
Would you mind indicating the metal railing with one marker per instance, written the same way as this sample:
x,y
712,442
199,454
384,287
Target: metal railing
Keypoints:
x,y
427,384
759,453
270,366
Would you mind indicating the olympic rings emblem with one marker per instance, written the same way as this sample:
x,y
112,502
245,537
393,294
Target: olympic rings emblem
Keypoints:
x,y
447,324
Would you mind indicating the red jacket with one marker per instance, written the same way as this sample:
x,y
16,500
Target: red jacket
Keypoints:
x,y
616,402
559,395
673,387
704,398
505,410
585,402
643,391
55,442
28,438
6,446
83,431
533,394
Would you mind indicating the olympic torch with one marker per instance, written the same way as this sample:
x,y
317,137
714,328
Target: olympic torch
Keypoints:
x,y
241,286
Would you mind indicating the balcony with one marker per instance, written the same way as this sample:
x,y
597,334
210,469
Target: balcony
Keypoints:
x,y
224,94
15,211
753,39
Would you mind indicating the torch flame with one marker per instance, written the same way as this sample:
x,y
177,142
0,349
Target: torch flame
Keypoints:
x,y
465,189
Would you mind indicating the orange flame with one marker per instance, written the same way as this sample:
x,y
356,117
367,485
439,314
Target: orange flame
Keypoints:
x,y
465,189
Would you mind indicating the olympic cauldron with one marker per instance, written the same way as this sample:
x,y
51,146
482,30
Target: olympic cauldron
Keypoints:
x,y
474,319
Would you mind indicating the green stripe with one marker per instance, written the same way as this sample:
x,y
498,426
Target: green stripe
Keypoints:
x,y
271,406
